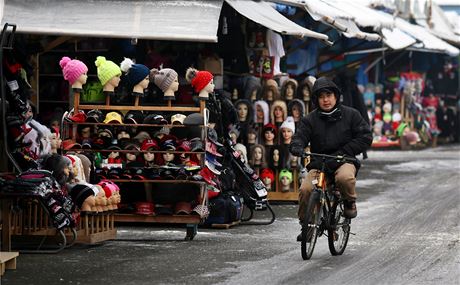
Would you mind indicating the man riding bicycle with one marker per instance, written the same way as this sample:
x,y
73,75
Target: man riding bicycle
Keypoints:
x,y
333,129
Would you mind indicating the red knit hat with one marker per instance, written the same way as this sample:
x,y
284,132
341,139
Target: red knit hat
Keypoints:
x,y
198,79
267,173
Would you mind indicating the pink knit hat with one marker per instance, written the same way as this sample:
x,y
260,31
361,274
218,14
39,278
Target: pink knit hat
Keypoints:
x,y
72,69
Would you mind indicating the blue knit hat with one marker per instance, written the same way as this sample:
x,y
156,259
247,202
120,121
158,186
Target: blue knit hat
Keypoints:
x,y
135,72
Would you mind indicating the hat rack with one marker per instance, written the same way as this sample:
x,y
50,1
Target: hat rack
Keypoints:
x,y
191,221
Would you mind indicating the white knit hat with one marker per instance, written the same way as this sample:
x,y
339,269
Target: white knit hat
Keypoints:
x,y
288,124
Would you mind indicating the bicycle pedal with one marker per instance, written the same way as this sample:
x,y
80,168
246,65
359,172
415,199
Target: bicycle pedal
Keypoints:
x,y
352,233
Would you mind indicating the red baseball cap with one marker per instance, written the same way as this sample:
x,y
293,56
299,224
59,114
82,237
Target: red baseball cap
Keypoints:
x,y
149,144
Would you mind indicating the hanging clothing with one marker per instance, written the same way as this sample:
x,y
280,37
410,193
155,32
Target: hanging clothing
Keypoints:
x,y
275,49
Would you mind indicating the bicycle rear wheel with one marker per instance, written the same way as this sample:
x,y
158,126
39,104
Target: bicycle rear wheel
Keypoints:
x,y
339,230
310,226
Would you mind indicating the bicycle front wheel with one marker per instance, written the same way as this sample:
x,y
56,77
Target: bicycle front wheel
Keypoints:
x,y
310,226
339,229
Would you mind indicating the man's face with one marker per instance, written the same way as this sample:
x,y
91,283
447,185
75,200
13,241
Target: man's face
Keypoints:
x,y
326,100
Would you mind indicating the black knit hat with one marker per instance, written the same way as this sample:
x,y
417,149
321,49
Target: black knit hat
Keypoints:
x,y
79,193
324,84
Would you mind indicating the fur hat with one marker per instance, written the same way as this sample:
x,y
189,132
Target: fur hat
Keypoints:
x,y
274,89
287,82
299,103
282,105
135,72
163,78
198,79
106,69
244,152
72,69
288,124
265,109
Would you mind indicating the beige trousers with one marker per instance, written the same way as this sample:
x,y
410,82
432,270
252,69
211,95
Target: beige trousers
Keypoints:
x,y
344,178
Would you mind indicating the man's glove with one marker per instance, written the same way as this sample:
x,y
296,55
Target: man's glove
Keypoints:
x,y
333,164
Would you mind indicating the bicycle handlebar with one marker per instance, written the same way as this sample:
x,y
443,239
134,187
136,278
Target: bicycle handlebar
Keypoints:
x,y
339,158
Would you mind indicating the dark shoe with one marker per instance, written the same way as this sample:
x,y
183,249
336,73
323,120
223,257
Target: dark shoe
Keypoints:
x,y
299,237
350,211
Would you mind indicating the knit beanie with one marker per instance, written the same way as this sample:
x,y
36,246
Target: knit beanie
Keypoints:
x,y
288,124
267,173
135,72
287,173
198,79
163,78
106,69
80,192
72,69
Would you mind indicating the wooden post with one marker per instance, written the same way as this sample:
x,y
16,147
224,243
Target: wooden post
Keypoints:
x,y
6,225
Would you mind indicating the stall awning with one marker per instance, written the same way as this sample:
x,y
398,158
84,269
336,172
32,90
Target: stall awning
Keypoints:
x,y
263,13
425,38
440,25
362,15
397,39
160,20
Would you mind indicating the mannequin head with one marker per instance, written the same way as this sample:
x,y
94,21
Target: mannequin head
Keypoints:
x,y
257,156
288,90
252,136
74,72
270,91
201,81
296,109
261,114
278,112
55,140
269,132
241,149
83,196
168,157
287,130
108,73
244,110
276,157
285,178
268,177
304,90
60,167
167,80
137,75
149,156
234,133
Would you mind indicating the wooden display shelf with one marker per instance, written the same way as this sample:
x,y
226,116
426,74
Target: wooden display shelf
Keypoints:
x,y
225,226
283,196
160,181
174,219
7,261
130,125
96,228
143,108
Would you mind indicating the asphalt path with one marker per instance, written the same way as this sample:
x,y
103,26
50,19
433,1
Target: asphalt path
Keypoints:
x,y
407,232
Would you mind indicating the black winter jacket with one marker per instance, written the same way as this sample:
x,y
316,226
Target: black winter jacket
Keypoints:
x,y
349,135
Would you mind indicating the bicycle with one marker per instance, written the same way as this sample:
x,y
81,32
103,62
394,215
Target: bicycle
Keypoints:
x,y
325,212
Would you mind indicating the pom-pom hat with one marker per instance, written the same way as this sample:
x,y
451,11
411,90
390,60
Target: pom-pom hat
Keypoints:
x,y
72,69
288,124
198,79
163,78
135,72
106,69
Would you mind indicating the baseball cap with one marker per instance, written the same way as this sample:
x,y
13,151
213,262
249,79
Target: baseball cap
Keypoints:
x,y
212,167
141,136
194,119
70,144
183,208
130,145
196,144
212,136
79,117
149,144
114,145
133,117
105,132
86,144
212,149
208,176
94,116
155,119
163,209
184,145
144,208
212,159
178,119
113,117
